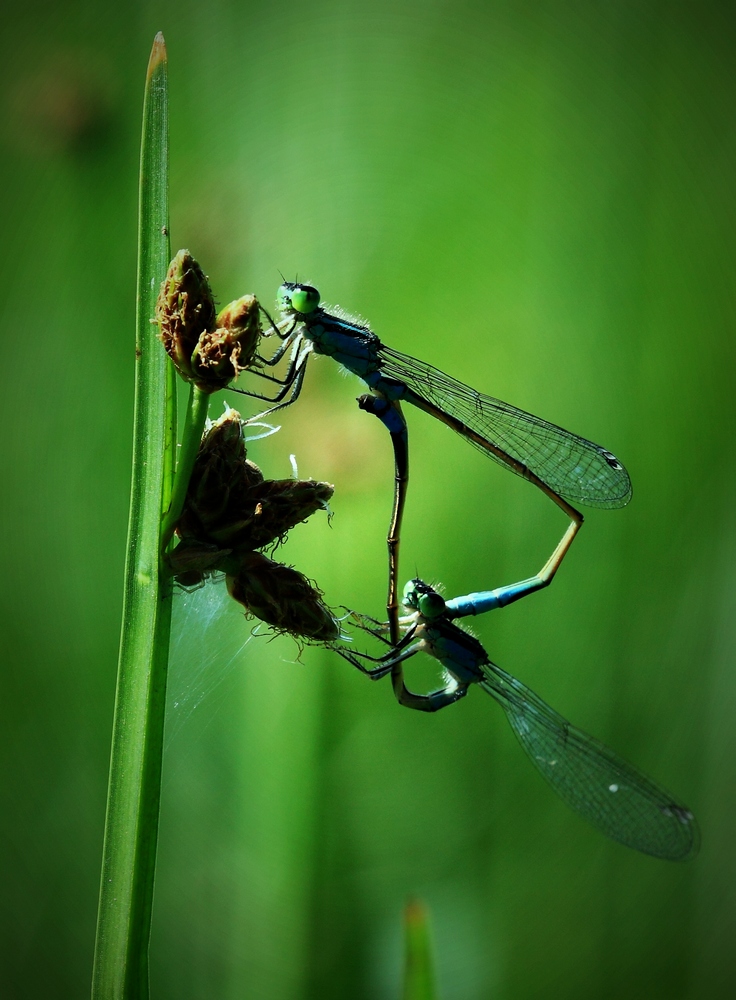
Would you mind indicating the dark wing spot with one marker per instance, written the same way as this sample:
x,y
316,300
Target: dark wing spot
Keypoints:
x,y
611,459
684,815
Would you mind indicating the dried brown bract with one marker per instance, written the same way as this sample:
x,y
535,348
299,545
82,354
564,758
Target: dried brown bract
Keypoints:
x,y
230,511
229,502
208,349
184,311
282,597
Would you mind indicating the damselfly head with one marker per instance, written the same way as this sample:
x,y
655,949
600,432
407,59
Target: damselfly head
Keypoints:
x,y
419,596
293,297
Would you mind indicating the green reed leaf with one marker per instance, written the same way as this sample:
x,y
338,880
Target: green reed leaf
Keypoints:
x,y
131,826
419,981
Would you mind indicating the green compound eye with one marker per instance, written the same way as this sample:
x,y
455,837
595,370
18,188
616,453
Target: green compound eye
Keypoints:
x,y
417,594
410,597
431,605
304,299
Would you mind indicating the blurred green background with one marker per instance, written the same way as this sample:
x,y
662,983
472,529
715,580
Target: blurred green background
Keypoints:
x,y
535,196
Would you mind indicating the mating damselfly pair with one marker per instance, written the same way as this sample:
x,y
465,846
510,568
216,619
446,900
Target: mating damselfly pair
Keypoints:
x,y
616,797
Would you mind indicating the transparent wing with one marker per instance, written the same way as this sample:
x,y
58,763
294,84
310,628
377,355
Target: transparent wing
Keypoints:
x,y
613,795
572,466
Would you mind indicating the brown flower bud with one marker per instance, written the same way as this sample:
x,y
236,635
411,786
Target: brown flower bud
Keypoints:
x,y
228,501
282,597
229,511
206,349
218,501
282,503
192,561
184,311
222,354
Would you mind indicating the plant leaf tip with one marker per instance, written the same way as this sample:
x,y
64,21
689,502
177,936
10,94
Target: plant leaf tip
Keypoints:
x,y
415,912
158,54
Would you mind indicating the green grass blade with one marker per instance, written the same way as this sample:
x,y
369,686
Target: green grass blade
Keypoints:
x,y
419,982
131,827
196,416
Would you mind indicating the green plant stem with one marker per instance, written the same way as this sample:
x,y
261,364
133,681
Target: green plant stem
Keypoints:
x,y
419,980
131,824
191,439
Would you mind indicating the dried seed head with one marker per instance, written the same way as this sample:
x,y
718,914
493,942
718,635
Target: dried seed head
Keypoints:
x,y
229,511
282,503
192,561
218,498
282,597
223,353
206,349
242,320
228,501
184,311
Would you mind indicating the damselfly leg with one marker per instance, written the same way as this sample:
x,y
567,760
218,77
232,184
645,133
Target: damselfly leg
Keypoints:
x,y
390,415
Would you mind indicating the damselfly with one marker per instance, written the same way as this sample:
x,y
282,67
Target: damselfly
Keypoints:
x,y
561,464
612,794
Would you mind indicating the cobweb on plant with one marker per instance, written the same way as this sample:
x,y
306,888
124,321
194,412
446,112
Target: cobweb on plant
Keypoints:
x,y
208,641
209,635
